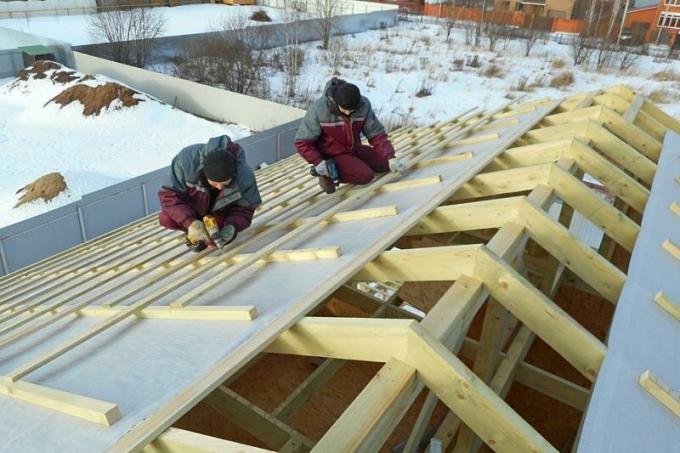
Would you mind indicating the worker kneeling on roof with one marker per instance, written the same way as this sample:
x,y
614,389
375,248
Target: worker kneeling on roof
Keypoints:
x,y
210,193
329,138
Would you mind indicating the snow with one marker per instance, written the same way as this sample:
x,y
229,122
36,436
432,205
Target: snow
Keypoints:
x,y
90,152
180,20
390,66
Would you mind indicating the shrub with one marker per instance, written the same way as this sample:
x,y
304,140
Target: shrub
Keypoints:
x,y
558,64
667,75
493,71
563,79
260,16
425,89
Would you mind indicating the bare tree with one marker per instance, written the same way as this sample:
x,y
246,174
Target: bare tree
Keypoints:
x,y
113,27
529,36
131,33
494,33
336,54
234,58
629,56
604,53
480,24
242,68
293,53
469,29
581,48
327,12
147,25
451,19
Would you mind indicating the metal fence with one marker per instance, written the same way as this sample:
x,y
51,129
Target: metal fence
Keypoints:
x,y
342,6
97,213
167,48
59,8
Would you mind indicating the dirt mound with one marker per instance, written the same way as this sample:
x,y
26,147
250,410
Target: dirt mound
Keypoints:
x,y
46,187
38,70
94,99
41,67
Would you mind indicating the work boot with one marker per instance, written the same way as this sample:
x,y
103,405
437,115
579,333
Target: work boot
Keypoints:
x,y
327,184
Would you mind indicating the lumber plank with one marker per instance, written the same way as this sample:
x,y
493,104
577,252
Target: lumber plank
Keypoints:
x,y
675,208
552,324
524,156
444,159
467,216
667,304
196,313
421,264
542,381
476,404
617,181
661,392
440,370
672,249
89,409
251,418
176,440
504,181
609,219
411,184
594,269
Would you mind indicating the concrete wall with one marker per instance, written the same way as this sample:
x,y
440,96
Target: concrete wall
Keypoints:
x,y
100,212
202,100
11,60
169,47
34,8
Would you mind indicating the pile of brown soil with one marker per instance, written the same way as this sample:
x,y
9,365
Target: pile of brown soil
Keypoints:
x,y
94,99
45,188
39,69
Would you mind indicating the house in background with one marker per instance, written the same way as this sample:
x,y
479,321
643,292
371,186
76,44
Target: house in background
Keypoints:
x,y
547,8
656,21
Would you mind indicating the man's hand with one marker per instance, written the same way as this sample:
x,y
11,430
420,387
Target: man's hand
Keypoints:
x,y
397,165
322,169
197,232
228,234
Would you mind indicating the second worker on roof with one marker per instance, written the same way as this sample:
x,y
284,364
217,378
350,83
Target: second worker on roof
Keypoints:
x,y
329,138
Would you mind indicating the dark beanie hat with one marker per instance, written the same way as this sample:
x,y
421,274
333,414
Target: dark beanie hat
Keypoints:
x,y
347,96
219,166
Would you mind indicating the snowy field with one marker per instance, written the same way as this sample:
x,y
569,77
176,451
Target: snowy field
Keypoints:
x,y
91,152
180,20
391,66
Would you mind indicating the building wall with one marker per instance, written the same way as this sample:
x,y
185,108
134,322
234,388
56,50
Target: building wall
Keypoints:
x,y
504,9
561,6
650,17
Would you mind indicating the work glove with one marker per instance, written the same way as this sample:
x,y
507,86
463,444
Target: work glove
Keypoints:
x,y
197,232
397,165
322,169
228,234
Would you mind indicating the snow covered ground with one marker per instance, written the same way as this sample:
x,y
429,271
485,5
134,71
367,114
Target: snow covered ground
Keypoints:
x,y
91,152
180,20
390,66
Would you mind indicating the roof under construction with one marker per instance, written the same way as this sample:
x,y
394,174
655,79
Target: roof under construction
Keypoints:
x,y
106,345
